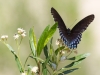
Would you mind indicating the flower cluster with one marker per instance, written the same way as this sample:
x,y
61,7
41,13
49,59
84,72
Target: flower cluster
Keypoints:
x,y
34,69
4,37
20,32
59,42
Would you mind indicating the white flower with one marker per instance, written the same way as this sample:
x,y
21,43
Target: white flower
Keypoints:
x,y
62,52
23,34
23,73
21,30
4,37
62,58
16,36
58,42
34,69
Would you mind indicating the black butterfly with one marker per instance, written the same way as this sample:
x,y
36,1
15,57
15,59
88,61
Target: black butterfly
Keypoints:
x,y
71,37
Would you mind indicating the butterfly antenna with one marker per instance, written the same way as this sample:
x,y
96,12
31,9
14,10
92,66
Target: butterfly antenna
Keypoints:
x,y
73,23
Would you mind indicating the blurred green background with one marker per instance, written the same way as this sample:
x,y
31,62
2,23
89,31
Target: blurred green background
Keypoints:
x,y
29,13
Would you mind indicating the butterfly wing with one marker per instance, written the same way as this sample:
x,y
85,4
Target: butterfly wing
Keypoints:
x,y
78,29
61,25
58,19
82,25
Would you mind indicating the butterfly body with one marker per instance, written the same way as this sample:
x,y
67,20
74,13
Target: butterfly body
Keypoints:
x,y
72,37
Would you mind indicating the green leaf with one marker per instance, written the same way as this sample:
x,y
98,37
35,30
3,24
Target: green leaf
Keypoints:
x,y
58,49
70,65
45,37
68,71
46,51
51,51
79,57
16,58
72,58
32,41
82,56
41,41
52,54
46,62
50,33
19,64
73,64
45,71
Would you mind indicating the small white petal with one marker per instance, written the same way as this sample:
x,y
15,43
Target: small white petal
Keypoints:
x,y
58,42
4,37
23,35
16,36
63,52
34,69
23,73
21,30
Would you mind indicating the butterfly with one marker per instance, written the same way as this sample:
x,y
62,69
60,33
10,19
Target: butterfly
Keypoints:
x,y
71,37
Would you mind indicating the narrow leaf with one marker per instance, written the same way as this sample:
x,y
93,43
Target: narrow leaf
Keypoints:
x,y
45,71
82,56
68,71
79,57
45,37
46,51
41,41
32,41
16,58
50,33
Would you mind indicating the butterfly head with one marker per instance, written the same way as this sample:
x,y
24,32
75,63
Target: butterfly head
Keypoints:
x,y
68,31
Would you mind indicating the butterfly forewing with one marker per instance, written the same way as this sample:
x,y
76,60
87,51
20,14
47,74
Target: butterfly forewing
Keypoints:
x,y
82,25
58,19
79,28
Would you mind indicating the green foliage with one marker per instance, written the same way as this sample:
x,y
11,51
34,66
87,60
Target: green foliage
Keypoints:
x,y
32,41
53,56
45,37
21,69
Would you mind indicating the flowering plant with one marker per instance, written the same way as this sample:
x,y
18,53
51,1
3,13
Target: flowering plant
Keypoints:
x,y
50,65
